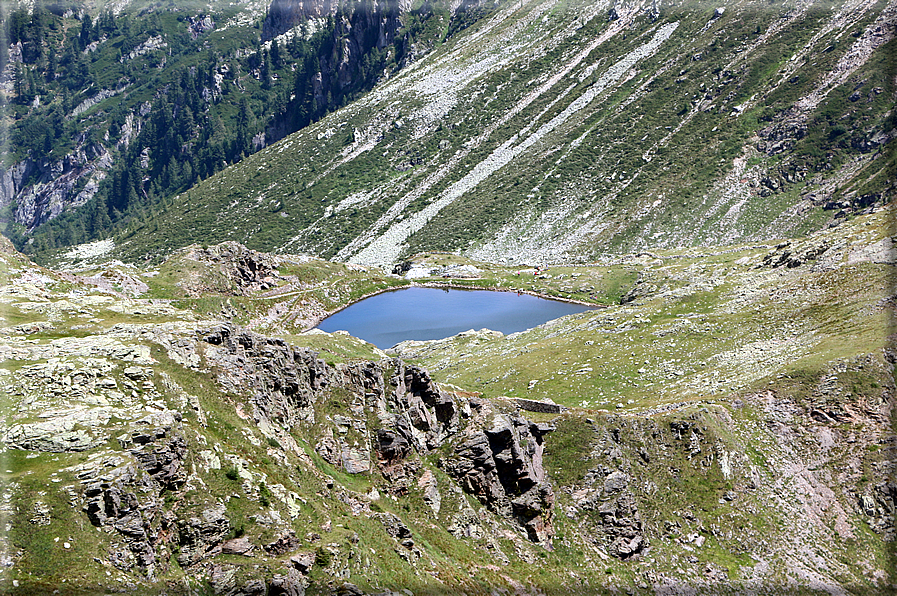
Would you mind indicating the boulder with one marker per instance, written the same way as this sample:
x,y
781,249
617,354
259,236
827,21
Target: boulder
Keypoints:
x,y
303,561
237,546
391,446
284,544
291,584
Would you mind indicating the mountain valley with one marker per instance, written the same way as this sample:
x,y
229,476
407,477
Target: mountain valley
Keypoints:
x,y
188,189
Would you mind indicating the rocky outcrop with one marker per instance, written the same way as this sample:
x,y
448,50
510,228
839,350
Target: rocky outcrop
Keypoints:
x,y
425,415
619,529
246,270
642,288
284,380
59,435
879,505
128,498
501,465
44,189
198,535
283,15
790,256
284,544
400,532
290,584
498,458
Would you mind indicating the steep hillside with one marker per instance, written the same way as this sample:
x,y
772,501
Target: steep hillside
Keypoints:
x,y
560,130
730,429
110,110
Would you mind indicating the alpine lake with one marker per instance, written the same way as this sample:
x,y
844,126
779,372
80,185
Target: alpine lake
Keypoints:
x,y
435,313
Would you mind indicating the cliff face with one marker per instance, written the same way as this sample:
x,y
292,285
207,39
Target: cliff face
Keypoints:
x,y
41,190
283,15
363,28
364,42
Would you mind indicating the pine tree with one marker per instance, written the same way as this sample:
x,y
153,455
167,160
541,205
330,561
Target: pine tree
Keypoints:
x,y
50,74
86,31
276,60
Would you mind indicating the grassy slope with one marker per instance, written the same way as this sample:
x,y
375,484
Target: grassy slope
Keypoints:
x,y
711,324
715,330
585,186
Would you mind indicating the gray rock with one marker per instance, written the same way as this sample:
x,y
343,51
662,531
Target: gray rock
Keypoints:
x,y
237,546
394,526
199,535
615,482
329,450
222,579
282,545
790,256
164,462
427,483
56,436
356,460
506,476
624,547
466,524
348,589
303,561
391,446
291,584
254,587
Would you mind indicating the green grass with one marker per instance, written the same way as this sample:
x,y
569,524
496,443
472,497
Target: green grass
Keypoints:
x,y
727,348
568,450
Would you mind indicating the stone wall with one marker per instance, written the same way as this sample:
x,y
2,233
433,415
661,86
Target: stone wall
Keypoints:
x,y
546,407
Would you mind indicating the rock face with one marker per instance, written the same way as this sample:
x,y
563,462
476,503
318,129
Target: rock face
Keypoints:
x,y
498,458
501,465
42,190
425,415
359,29
284,380
619,528
127,499
246,270
198,535
880,505
286,14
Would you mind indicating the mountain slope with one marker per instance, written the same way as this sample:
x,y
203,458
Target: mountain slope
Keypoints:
x,y
109,111
559,130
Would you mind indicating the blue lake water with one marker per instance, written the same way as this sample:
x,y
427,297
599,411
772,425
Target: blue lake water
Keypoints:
x,y
433,313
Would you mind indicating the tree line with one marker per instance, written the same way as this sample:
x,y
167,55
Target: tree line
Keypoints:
x,y
209,103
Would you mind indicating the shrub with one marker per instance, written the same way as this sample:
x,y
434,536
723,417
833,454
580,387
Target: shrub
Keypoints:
x,y
264,495
322,557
